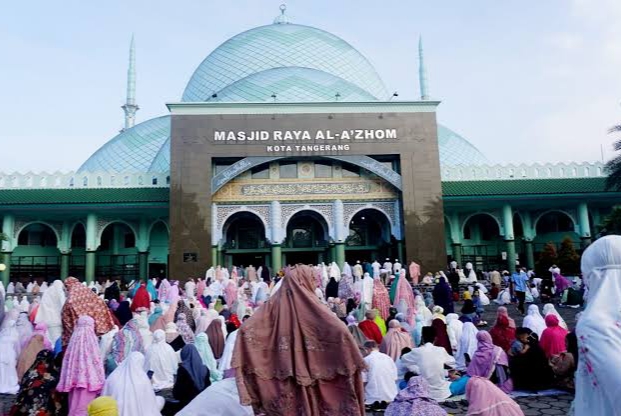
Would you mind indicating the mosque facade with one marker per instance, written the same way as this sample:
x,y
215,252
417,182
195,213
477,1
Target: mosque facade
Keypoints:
x,y
287,147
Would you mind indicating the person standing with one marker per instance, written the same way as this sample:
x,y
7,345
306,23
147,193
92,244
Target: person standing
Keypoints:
x,y
520,286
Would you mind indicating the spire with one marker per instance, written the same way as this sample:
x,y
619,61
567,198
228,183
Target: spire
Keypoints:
x,y
130,106
422,71
282,18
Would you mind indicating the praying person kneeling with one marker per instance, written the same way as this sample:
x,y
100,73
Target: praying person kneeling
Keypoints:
x,y
379,379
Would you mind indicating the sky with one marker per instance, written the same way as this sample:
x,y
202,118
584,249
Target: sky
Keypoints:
x,y
524,81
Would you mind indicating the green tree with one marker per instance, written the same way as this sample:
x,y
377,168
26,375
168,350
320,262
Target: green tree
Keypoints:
x,y
613,166
568,259
612,223
547,258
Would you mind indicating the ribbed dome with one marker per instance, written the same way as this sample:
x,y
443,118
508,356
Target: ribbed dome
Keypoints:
x,y
278,46
455,150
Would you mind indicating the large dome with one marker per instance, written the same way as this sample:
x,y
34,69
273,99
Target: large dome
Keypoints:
x,y
284,62
278,46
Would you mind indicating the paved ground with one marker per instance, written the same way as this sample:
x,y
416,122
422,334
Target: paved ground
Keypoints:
x,y
532,406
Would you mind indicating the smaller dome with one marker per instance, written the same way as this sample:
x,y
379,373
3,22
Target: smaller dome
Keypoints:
x,y
132,150
455,150
292,84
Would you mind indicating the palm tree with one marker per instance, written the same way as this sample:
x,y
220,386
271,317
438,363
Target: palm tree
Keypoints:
x,y
613,166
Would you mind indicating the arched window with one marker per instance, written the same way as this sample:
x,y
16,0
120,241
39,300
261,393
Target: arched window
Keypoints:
x,y
42,182
574,172
168,180
28,181
554,222
85,181
99,181
126,181
523,173
586,171
140,182
154,180
112,180
561,172
71,182
549,172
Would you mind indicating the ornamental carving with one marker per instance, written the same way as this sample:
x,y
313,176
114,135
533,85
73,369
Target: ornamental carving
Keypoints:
x,y
224,212
305,189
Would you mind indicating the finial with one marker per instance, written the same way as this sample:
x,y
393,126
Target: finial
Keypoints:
x,y
282,19
130,106
422,71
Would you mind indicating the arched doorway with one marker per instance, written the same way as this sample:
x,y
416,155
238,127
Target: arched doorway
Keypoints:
x,y
36,255
77,262
244,240
482,242
369,237
553,227
117,255
158,251
307,238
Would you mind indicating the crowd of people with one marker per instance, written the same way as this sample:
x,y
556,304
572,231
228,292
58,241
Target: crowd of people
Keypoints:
x,y
308,340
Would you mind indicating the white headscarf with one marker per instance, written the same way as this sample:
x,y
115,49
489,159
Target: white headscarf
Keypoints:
x,y
335,271
105,343
219,399
548,309
50,309
131,388
467,344
227,354
162,360
598,378
423,311
10,288
454,328
9,353
142,322
534,321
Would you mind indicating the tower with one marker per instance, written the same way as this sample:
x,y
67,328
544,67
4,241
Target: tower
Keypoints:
x,y
422,71
130,107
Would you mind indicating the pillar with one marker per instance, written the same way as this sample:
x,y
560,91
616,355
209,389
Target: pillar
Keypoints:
x,y
585,227
400,252
214,255
457,254
530,254
507,220
5,259
92,244
89,272
143,265
64,264
339,254
276,258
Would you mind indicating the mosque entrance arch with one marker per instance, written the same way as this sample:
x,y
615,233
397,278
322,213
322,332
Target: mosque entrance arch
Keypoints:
x,y
117,255
36,255
482,242
369,237
244,240
307,238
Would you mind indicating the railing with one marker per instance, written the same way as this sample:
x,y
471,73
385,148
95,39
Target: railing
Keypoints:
x,y
27,267
73,180
523,171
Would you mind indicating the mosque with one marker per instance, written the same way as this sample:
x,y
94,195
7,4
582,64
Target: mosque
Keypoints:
x,y
287,147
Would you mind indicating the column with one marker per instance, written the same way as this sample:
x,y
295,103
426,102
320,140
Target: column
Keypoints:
x,y
507,220
457,254
530,254
92,244
215,237
143,265
339,254
338,214
5,259
214,255
276,258
89,272
400,252
64,264
585,227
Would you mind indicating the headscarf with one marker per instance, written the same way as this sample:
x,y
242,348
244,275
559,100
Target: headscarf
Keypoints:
x,y
37,390
141,299
598,331
157,312
103,406
553,337
404,291
188,316
442,339
204,350
131,388
423,311
454,328
414,400
485,399
50,310
534,321
560,282
24,329
468,307
381,324
127,340
443,295
192,363
123,313
548,309
395,340
502,334
184,329
502,311
216,337
152,290
467,344
171,332
467,295
112,292
220,399
82,301
486,356
346,286
105,343
37,342
381,300
82,366
162,360
267,359
164,289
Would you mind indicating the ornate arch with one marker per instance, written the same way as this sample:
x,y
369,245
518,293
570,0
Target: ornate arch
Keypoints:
x,y
289,211
463,225
562,211
366,162
21,226
153,225
102,224
225,212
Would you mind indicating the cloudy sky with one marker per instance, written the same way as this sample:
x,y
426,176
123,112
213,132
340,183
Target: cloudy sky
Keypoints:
x,y
522,80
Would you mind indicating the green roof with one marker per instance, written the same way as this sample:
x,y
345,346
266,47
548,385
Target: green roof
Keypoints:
x,y
524,187
83,196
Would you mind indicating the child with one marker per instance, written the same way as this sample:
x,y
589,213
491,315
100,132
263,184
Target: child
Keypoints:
x,y
521,344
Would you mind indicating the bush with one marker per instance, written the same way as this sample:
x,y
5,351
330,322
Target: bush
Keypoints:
x,y
547,258
568,259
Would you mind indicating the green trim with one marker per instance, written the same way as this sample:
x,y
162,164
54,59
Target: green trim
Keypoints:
x,y
527,187
205,108
83,196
